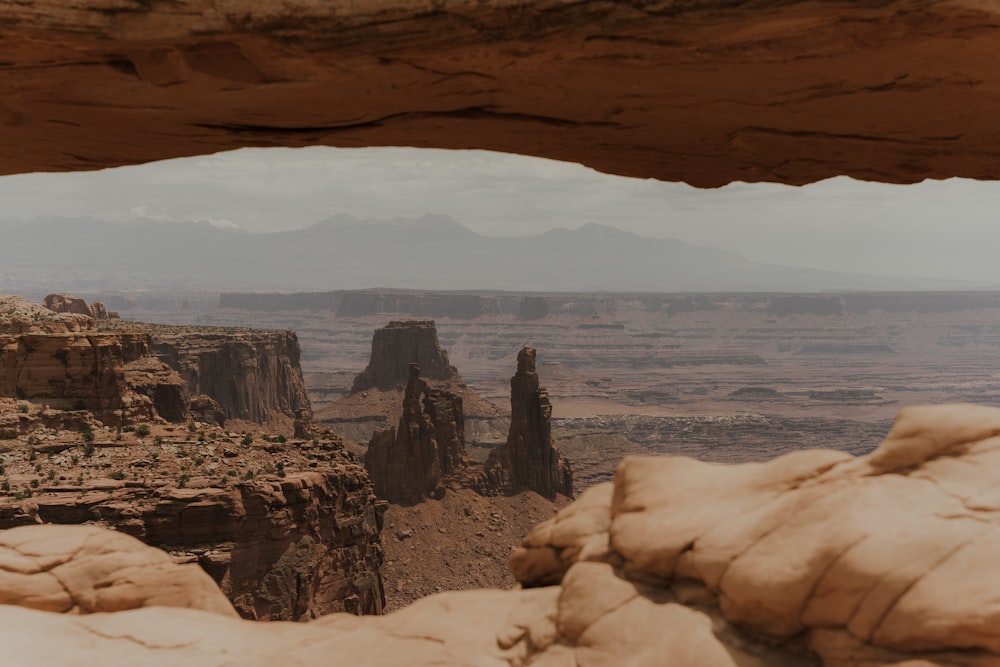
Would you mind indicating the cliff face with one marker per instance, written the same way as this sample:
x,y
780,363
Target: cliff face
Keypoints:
x,y
287,549
255,376
61,360
396,346
411,462
529,460
426,452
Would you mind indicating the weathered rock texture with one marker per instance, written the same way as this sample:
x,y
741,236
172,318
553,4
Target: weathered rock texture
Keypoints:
x,y
62,360
290,549
704,91
396,346
529,460
255,376
88,570
412,462
426,452
813,559
64,303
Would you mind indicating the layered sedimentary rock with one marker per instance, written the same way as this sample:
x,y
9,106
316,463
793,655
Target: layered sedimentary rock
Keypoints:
x,y
396,346
412,461
777,91
89,570
288,549
427,451
64,303
816,558
255,376
529,460
61,359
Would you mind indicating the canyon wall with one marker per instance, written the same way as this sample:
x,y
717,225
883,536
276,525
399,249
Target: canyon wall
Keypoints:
x,y
289,549
255,376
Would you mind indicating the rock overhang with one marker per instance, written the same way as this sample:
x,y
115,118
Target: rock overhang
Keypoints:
x,y
701,91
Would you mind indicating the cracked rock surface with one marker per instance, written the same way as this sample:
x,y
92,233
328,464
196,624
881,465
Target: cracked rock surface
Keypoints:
x,y
816,558
703,91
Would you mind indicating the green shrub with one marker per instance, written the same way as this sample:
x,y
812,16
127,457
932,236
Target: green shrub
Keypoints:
x,y
142,430
118,474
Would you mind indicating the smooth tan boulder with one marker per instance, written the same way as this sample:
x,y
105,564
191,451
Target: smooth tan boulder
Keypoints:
x,y
814,559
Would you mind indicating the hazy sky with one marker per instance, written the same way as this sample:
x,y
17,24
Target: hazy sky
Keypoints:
x,y
942,229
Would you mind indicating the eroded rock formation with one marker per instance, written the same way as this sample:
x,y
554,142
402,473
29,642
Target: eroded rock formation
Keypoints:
x,y
64,303
280,549
529,460
396,346
426,451
412,461
776,91
813,558
255,376
89,570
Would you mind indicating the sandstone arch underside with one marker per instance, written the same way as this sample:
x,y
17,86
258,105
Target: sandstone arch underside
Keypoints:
x,y
702,91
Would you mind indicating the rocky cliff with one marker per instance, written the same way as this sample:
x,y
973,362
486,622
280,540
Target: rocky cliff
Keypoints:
x,y
814,559
65,303
255,376
396,346
414,460
529,460
62,360
288,532
426,452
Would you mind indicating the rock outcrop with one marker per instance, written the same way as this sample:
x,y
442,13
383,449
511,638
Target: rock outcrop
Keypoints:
x,y
291,548
63,360
529,460
816,558
396,346
426,452
777,90
64,303
414,460
89,570
256,376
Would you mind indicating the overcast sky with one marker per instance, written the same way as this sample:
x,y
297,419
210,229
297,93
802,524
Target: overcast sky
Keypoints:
x,y
941,229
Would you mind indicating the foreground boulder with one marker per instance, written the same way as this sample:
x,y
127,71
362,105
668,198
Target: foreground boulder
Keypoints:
x,y
813,558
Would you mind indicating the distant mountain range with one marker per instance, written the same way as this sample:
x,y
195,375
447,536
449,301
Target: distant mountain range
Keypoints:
x,y
432,252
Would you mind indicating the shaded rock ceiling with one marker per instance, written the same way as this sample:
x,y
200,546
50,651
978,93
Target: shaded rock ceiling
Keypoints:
x,y
702,91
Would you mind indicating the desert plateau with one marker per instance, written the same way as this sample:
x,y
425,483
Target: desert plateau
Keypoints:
x,y
493,333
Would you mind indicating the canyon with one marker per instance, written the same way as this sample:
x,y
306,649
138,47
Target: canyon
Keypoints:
x,y
808,559
99,425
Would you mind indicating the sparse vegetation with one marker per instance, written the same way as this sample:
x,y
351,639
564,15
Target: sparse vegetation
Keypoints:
x,y
183,480
88,433
247,439
118,474
142,430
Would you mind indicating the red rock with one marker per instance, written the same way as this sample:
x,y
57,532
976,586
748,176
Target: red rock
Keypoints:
x,y
396,346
